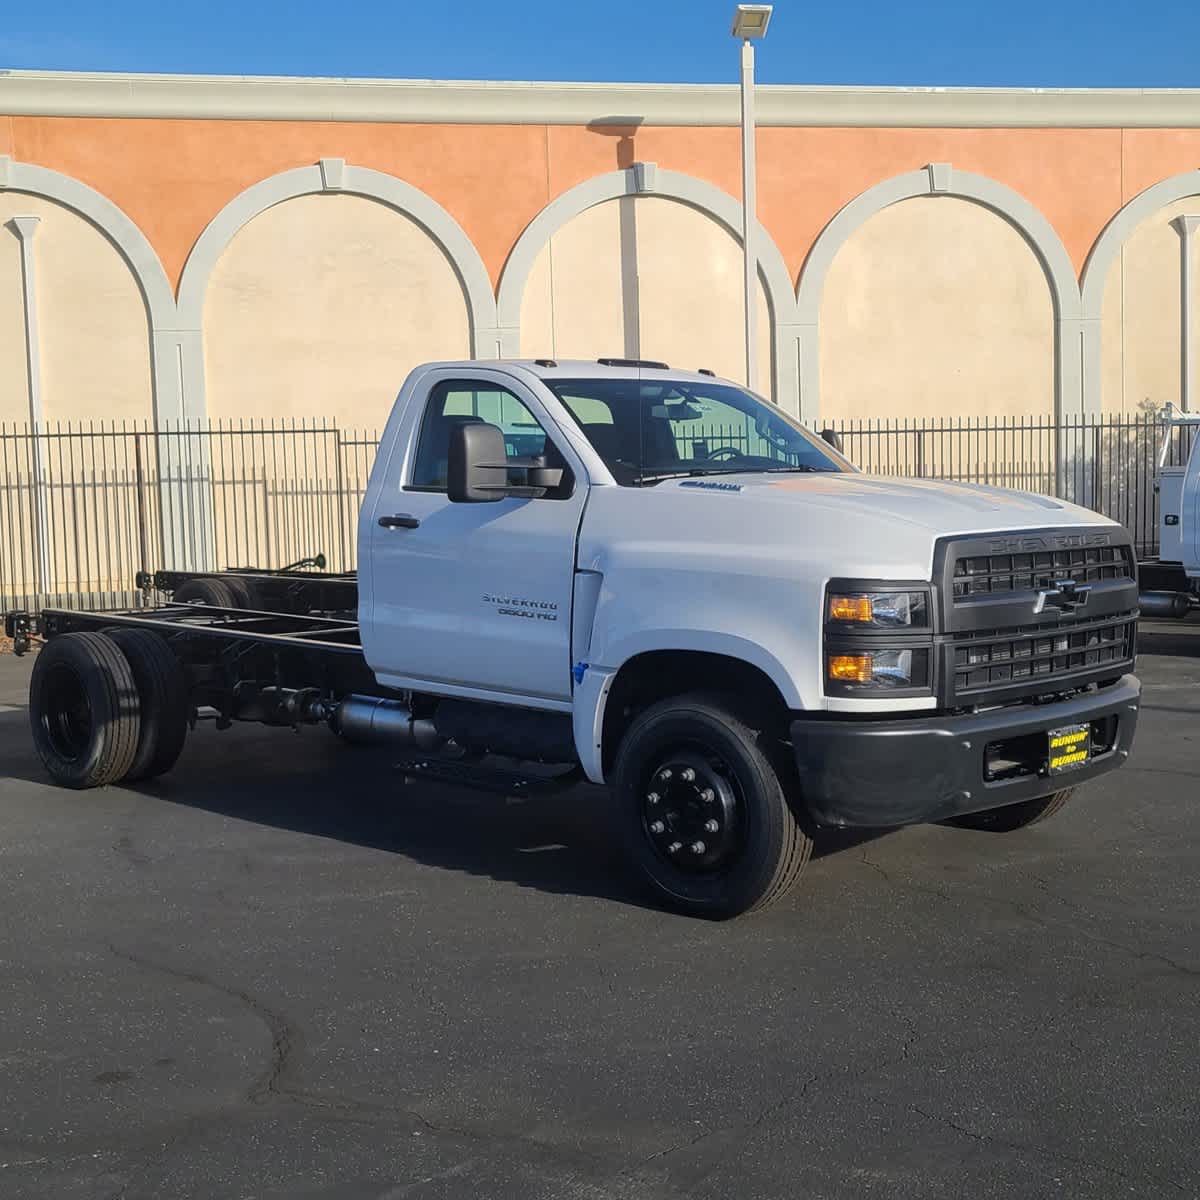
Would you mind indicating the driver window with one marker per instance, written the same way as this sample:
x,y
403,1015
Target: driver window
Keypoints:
x,y
454,402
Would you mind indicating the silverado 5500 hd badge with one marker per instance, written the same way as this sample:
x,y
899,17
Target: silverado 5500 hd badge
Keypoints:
x,y
513,606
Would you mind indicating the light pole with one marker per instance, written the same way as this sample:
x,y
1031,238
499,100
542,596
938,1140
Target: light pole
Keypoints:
x,y
749,23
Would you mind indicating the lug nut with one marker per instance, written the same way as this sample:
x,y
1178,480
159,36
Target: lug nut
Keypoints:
x,y
653,798
697,847
687,775
664,774
710,826
657,827
674,847
708,795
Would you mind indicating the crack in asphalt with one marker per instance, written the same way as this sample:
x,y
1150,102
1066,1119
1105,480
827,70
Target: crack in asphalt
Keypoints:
x,y
1044,1151
268,1087
744,1134
1044,885
940,893
1042,920
284,1035
284,1041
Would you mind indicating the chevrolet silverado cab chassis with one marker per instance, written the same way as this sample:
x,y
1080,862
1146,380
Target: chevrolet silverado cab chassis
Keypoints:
x,y
660,583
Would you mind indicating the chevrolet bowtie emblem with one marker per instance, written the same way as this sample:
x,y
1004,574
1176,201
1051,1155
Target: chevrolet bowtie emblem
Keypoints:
x,y
1063,594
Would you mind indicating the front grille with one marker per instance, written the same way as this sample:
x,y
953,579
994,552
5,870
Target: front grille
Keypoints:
x,y
1039,656
996,574
1011,630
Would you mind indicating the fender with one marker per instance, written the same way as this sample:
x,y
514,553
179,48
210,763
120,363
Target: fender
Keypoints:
x,y
595,681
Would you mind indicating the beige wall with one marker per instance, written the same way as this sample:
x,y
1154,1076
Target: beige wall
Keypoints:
x,y
936,307
1141,329
94,334
643,277
320,306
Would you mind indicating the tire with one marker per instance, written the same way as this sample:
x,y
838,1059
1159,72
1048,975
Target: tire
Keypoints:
x,y
1014,816
216,593
758,850
84,710
165,702
240,590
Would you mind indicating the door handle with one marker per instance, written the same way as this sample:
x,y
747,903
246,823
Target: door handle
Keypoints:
x,y
399,521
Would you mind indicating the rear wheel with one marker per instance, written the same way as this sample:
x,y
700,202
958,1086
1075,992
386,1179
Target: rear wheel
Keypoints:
x,y
240,590
84,710
215,593
163,694
1014,816
703,808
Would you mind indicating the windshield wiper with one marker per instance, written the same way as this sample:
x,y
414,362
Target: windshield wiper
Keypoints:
x,y
805,467
658,476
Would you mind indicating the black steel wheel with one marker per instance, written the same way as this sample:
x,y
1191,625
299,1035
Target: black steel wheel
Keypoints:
x,y
215,593
164,700
703,807
1012,817
84,710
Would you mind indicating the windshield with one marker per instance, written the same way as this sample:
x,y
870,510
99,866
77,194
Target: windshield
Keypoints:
x,y
648,430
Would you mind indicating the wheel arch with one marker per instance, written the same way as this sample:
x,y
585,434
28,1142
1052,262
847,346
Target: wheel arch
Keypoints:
x,y
647,676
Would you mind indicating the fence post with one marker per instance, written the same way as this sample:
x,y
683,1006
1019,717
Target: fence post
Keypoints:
x,y
140,484
1060,466
39,476
340,485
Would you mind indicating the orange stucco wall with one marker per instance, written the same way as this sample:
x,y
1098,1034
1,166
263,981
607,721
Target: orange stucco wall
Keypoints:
x,y
173,176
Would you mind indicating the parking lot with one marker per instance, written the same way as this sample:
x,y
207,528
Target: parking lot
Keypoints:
x,y
282,972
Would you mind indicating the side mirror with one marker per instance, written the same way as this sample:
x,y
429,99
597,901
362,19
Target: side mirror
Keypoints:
x,y
476,471
833,438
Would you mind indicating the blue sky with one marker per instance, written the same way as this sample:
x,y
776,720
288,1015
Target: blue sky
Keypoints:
x,y
1051,43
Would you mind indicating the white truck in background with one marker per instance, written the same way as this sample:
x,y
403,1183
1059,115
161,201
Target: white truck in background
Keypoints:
x,y
658,582
1171,582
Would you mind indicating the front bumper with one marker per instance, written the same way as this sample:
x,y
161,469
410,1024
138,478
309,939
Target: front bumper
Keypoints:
x,y
872,773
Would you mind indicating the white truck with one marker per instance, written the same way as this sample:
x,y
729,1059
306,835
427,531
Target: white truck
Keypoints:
x,y
657,582
1171,582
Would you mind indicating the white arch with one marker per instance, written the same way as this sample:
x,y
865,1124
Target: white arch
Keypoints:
x,y
130,242
646,179
940,179
332,175
1101,258
1114,235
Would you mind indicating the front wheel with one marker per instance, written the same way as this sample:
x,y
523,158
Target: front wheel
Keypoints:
x,y
703,809
1012,817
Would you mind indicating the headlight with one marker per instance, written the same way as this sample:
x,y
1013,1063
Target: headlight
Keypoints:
x,y
879,610
878,670
878,638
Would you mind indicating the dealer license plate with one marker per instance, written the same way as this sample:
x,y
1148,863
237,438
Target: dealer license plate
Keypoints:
x,y
1070,747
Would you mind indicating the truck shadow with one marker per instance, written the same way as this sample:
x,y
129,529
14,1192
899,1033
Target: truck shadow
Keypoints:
x,y
315,785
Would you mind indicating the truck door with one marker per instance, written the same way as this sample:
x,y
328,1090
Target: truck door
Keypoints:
x,y
474,596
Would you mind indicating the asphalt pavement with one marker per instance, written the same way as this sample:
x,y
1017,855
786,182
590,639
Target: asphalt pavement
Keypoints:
x,y
281,972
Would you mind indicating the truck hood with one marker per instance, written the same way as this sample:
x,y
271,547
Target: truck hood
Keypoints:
x,y
942,507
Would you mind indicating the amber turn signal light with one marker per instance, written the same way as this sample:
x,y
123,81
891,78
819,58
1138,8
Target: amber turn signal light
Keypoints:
x,y
850,668
851,608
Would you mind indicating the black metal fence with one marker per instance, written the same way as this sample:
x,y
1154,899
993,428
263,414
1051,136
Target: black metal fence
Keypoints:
x,y
1104,463
85,506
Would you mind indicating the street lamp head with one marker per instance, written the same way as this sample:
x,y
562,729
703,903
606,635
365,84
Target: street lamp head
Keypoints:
x,y
751,20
